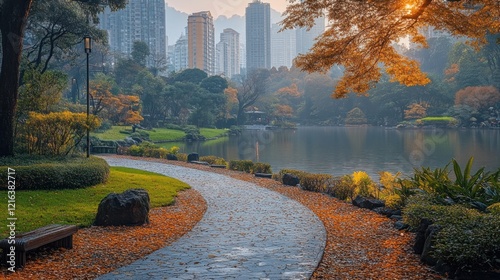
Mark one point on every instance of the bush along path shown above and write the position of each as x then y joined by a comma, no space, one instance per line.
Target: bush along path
247,232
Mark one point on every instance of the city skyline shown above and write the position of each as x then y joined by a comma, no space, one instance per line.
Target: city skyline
227,8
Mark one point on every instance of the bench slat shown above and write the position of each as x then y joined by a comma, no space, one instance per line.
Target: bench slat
56,235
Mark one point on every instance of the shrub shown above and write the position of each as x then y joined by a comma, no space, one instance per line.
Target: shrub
342,188
494,208
241,165
57,133
260,167
315,182
213,160
59,173
389,182
173,126
394,201
174,150
470,243
182,157
135,150
364,184
193,133
298,173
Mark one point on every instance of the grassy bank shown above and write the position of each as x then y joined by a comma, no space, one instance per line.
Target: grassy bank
158,134
79,206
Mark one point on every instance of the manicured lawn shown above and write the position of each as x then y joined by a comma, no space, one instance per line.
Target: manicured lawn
164,134
113,133
158,134
212,132
35,209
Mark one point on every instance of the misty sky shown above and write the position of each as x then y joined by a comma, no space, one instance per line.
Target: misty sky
221,7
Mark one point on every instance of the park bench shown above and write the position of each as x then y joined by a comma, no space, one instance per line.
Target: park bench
52,235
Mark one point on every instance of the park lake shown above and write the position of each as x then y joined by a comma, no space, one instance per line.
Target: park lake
343,150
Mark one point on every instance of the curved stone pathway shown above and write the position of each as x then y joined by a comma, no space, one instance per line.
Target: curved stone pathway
247,232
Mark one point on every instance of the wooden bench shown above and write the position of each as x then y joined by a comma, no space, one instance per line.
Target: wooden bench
52,235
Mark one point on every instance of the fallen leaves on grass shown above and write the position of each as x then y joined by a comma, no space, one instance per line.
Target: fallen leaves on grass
99,250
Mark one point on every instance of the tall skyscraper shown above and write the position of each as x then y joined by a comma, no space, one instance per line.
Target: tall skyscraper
258,35
282,46
228,52
180,55
201,42
140,20
305,38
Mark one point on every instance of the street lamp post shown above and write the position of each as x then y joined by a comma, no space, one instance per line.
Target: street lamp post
87,41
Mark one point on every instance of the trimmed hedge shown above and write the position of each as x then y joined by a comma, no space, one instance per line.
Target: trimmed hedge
241,165
261,167
316,182
213,160
65,173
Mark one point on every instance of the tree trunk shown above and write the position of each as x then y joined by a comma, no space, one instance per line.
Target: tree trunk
14,14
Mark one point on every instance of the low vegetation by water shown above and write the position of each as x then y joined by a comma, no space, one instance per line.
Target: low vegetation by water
156,135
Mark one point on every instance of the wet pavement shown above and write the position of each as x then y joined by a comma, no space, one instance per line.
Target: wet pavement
247,232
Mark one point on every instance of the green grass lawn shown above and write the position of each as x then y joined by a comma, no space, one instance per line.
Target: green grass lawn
35,209
158,134
212,132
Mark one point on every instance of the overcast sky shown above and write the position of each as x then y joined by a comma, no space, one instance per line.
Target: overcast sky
221,7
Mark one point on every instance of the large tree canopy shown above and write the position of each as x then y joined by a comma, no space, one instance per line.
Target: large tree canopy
362,34
13,19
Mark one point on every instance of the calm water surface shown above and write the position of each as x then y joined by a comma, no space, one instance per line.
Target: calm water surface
343,150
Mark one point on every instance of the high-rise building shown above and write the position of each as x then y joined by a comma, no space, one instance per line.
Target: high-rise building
305,38
180,55
201,42
140,20
282,47
228,53
258,35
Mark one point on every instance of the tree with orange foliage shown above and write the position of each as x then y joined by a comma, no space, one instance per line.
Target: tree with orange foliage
117,108
362,34
479,98
416,111
292,91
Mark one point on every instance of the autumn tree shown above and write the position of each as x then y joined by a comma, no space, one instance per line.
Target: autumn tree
362,34
13,19
355,117
479,98
416,111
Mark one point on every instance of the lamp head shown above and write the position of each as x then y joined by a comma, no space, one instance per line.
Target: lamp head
87,42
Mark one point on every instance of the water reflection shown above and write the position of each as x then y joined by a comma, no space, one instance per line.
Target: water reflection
343,150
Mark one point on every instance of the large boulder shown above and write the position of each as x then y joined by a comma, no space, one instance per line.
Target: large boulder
290,179
368,203
130,208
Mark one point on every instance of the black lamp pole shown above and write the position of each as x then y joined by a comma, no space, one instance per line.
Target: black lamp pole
87,40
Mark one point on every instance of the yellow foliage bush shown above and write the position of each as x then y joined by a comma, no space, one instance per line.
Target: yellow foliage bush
57,133
364,184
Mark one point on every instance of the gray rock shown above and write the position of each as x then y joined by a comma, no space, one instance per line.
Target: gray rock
430,234
193,157
384,211
129,208
418,247
171,157
396,217
368,203
290,179
399,225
